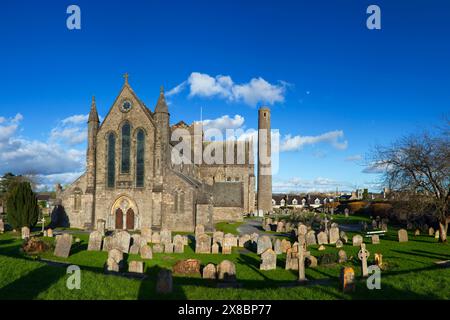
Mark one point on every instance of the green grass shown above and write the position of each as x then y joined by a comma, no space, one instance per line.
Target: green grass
412,274
228,227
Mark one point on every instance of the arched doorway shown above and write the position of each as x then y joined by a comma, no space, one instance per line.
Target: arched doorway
119,219
130,219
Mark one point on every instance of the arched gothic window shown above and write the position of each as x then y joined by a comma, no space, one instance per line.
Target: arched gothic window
140,157
77,200
125,164
111,163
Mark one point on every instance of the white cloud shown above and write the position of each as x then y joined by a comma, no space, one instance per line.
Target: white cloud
76,119
45,159
295,143
356,157
319,184
71,130
224,122
257,90
375,168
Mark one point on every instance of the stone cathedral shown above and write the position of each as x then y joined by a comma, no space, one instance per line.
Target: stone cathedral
131,181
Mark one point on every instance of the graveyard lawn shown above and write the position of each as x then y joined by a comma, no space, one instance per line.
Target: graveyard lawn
411,274
228,227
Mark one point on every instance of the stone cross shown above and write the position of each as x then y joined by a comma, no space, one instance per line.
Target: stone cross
43,224
125,76
326,224
363,254
301,265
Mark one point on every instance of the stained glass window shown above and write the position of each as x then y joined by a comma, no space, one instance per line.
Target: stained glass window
140,157
125,165
111,160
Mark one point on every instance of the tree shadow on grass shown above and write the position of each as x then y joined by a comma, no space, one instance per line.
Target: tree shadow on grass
425,254
30,285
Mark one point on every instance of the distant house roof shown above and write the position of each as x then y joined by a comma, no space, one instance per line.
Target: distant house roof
44,196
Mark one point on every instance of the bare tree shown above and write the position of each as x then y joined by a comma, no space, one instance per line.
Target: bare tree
417,169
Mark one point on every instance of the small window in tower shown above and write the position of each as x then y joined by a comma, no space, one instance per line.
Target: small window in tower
265,114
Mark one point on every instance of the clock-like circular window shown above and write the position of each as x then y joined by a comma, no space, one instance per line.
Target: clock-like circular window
126,106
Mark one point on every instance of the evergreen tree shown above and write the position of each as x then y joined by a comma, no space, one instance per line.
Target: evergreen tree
22,206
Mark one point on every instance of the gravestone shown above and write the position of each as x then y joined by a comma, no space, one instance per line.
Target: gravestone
166,236
268,260
101,226
285,244
111,265
436,234
25,232
402,235
164,281
215,248
346,212
347,278
322,238
134,249
291,260
203,244
168,248
334,234
146,252
178,238
108,243
302,230
138,239
267,227
187,267
357,240
226,271
384,226
116,255
209,272
122,241
229,240
310,261
363,254
218,237
301,266
431,231
136,267
321,248
178,242
280,227
2,226
146,234
50,232
244,241
311,238
277,246
95,241
63,245
156,238
342,256
339,243
264,243
199,229
375,239
158,248
226,249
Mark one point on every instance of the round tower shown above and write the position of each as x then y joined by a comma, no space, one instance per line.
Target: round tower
264,162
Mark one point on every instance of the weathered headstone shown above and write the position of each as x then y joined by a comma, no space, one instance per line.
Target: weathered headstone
146,252
63,245
285,244
218,237
156,238
357,240
25,232
138,239
436,234
203,244
215,248
311,238
334,234
280,227
101,226
209,272
264,243
108,243
348,279
321,248
302,229
178,242
199,229
310,261
111,265
363,254
322,238
226,271
342,256
268,260
50,232
116,255
187,267
431,231
95,241
168,248
402,235
339,243
136,267
166,236
122,241
226,249
134,249
244,241
375,239
277,247
164,281
229,240
2,226
158,248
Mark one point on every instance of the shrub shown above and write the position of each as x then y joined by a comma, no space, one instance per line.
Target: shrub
22,206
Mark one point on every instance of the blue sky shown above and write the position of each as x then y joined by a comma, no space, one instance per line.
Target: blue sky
335,88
